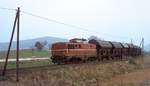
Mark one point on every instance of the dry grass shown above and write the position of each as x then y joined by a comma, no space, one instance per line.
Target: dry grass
144,83
84,75
147,60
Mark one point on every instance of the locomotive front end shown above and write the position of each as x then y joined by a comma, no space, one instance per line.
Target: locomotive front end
58,51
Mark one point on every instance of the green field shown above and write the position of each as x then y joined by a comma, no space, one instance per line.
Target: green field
26,54
12,65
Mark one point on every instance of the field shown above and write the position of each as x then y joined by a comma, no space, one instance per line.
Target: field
119,73
26,54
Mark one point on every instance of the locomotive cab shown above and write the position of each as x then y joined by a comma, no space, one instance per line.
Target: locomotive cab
59,49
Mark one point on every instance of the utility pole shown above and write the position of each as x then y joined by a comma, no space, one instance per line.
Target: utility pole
142,50
17,59
142,45
17,20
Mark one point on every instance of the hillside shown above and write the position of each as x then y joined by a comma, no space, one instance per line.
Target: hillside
27,44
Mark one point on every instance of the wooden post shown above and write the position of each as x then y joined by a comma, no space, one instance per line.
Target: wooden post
10,43
143,44
17,59
17,20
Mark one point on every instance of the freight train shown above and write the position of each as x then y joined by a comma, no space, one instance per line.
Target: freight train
77,50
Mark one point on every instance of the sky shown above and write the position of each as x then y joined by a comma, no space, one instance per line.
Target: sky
116,20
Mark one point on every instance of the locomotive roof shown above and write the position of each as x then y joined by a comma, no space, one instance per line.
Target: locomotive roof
103,44
71,43
116,44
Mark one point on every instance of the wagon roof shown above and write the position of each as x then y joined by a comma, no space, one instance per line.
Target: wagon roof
135,46
116,44
130,45
125,45
103,44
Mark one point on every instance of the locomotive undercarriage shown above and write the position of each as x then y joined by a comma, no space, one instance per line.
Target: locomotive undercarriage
66,60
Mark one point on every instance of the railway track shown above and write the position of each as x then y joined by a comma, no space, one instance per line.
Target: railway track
11,72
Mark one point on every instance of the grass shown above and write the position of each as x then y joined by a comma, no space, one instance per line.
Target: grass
83,75
26,54
12,65
144,83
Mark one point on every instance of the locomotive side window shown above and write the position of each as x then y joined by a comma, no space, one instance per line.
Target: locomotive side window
79,46
91,46
76,46
70,46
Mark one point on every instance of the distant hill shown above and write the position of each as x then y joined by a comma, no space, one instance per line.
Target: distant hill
27,44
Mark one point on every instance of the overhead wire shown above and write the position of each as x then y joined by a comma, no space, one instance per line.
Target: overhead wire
69,25
55,21
58,22
2,8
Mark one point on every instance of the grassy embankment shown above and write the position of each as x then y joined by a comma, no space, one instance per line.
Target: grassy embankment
83,75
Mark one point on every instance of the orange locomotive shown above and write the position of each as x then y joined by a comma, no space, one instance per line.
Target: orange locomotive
75,50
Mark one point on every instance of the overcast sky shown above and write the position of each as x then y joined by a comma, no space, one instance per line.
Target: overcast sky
117,20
